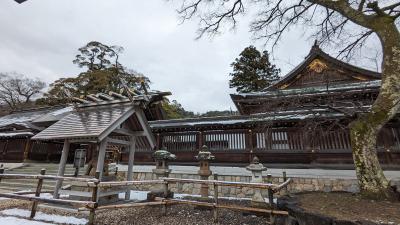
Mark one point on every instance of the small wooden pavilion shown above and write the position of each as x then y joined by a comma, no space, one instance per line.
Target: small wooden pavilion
102,121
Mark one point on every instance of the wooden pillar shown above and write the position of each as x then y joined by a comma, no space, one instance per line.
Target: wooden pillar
129,176
37,193
100,162
95,198
199,140
28,145
158,144
61,167
249,144
101,156
5,149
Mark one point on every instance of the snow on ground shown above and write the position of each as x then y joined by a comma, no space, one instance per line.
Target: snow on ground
181,196
142,195
17,221
42,217
135,195
43,195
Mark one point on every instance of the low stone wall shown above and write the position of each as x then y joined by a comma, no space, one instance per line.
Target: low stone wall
298,184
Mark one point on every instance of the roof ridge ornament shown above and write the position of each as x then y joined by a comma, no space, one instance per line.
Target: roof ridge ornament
315,46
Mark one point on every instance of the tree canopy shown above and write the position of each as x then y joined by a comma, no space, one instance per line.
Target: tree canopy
253,71
103,73
98,56
175,110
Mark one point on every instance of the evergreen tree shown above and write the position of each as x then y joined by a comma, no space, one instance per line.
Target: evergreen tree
175,110
103,74
253,71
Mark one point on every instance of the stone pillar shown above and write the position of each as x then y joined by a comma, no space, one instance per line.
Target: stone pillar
162,158
204,157
256,169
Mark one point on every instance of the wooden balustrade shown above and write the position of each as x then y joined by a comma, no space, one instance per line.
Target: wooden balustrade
275,140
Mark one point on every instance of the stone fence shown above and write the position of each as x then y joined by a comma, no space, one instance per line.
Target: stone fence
299,184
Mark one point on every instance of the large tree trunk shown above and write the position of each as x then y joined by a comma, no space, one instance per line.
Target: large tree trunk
365,129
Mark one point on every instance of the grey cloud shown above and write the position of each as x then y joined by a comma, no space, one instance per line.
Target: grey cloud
40,38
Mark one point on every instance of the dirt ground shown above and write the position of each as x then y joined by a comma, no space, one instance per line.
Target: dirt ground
349,206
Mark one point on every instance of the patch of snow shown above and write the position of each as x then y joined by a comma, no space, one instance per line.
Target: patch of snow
22,117
142,195
180,195
45,217
62,111
43,195
17,221
316,89
135,195
16,134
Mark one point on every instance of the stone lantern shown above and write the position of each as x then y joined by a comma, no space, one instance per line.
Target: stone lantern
162,158
256,169
204,157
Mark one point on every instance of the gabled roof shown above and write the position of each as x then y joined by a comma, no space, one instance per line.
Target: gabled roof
100,115
90,122
305,81
315,53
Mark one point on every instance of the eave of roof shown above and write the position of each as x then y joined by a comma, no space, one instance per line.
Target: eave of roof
283,116
22,134
363,86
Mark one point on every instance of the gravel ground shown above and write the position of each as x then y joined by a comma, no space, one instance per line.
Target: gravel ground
176,215
152,215
6,204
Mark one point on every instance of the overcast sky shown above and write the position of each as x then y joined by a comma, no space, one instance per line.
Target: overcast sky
40,38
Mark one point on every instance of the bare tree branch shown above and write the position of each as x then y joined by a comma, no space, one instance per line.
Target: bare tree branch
16,89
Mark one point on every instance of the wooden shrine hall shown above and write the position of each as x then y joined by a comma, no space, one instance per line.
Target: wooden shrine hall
301,119
17,128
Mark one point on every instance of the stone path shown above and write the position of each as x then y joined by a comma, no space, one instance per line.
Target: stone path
305,173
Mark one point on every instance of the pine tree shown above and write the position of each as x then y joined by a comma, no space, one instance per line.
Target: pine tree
103,73
252,71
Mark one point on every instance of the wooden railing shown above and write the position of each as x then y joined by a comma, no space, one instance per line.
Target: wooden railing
37,198
96,186
272,188
271,140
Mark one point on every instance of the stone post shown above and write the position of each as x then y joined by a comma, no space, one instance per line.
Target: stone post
204,157
256,169
162,158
